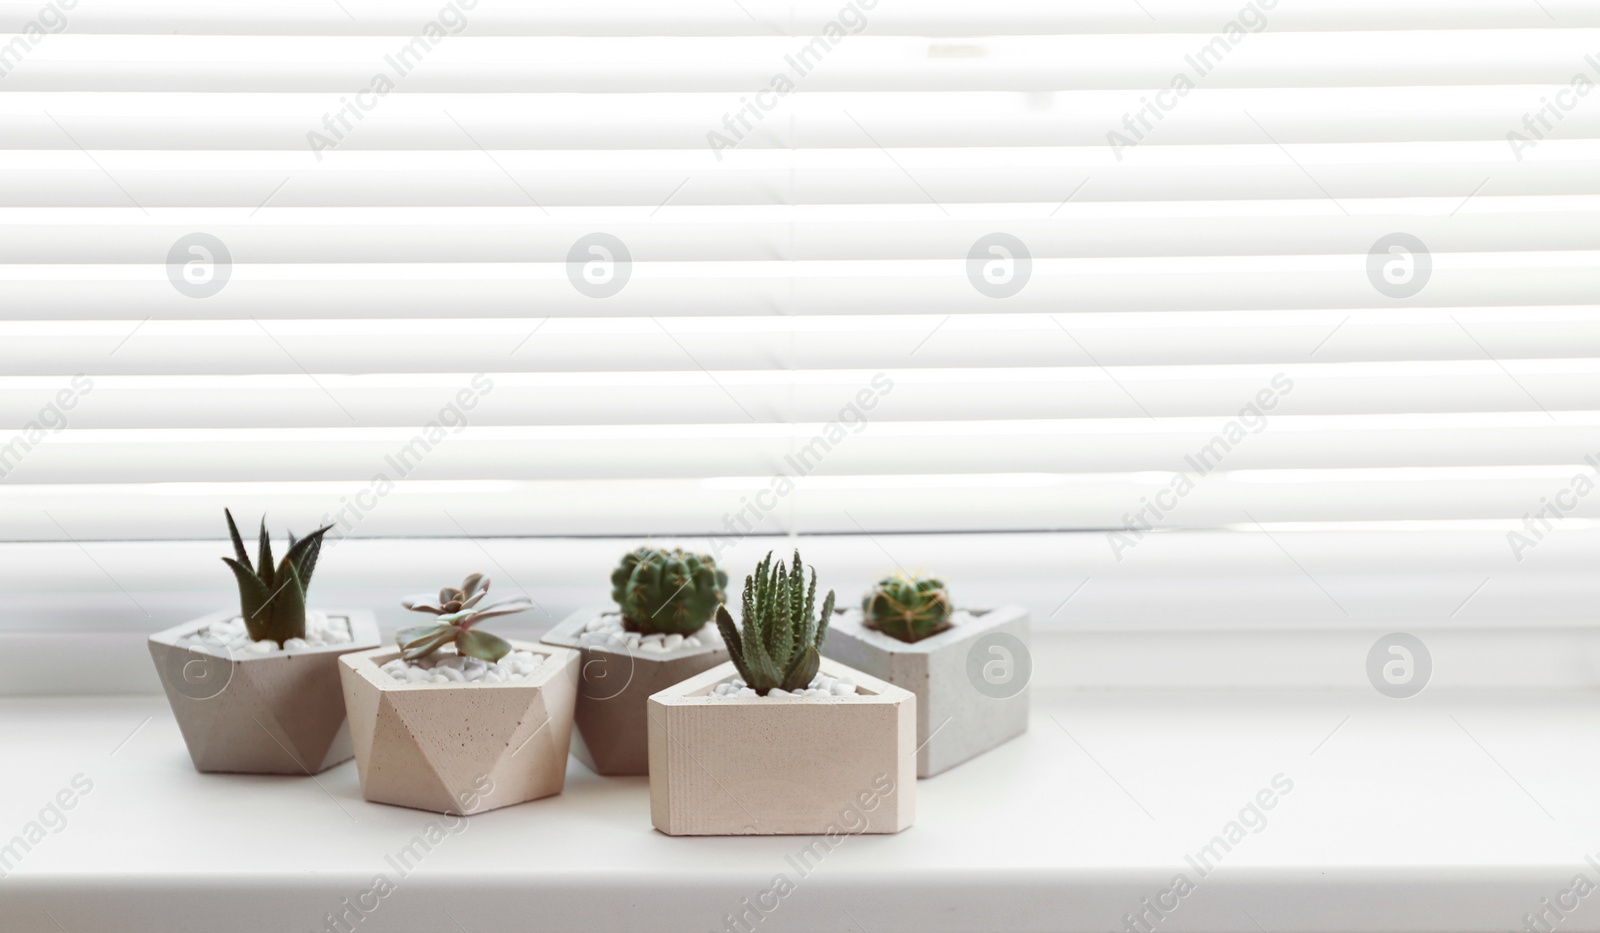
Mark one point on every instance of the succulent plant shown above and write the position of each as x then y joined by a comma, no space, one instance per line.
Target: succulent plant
908,607
272,598
458,609
781,643
667,591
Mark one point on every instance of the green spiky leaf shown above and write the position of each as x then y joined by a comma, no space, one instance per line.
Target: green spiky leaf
802,669
730,637
253,597
288,608
272,597
779,644
304,553
264,565
238,543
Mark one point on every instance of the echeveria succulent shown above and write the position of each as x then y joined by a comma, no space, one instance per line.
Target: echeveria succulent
667,591
458,609
909,608
272,597
781,642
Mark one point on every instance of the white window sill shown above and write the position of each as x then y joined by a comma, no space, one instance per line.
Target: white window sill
1401,817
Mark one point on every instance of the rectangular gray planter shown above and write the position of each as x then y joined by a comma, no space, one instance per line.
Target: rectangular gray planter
280,713
614,684
729,766
971,680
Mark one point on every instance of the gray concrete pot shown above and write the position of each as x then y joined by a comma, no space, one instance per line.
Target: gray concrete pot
460,747
259,714
971,680
836,765
613,685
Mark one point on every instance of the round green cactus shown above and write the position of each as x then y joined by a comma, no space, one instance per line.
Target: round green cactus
667,591
909,608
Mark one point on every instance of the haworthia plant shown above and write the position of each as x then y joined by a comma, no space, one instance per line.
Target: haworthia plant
667,591
272,597
907,606
458,609
780,645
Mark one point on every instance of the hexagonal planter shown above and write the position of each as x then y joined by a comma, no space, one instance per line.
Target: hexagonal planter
970,680
735,766
460,747
614,687
259,714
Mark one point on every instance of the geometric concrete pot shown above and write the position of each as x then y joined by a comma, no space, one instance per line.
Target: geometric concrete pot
615,685
971,680
759,765
456,747
259,714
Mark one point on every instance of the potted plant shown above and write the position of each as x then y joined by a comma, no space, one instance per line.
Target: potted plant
454,719
968,667
257,690
655,637
779,739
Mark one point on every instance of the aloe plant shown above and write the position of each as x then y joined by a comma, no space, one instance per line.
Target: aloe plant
667,592
907,607
458,609
780,645
272,597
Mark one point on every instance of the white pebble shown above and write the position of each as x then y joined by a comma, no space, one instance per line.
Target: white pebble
653,647
693,641
843,689
745,692
672,641
296,644
449,667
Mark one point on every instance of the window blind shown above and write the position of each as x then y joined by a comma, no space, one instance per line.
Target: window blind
810,268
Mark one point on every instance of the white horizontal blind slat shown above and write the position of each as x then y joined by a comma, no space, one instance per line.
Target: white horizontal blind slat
808,17
1175,276
261,121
